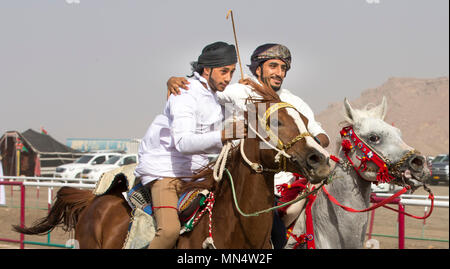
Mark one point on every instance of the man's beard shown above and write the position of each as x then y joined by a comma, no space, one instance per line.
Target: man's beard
212,83
267,82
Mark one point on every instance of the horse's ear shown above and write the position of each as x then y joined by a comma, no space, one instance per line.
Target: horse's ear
382,108
349,113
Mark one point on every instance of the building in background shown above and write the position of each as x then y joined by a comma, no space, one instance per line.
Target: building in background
129,146
31,153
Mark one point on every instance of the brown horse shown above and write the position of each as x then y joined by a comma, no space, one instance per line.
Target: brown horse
102,221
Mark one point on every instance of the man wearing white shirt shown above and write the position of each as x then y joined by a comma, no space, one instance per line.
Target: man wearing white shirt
269,65
178,141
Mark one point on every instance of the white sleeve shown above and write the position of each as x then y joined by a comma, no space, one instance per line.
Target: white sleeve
235,94
182,112
314,127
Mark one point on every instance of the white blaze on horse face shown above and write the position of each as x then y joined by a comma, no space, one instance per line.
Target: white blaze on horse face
310,142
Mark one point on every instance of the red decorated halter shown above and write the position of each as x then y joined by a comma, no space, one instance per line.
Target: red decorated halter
387,172
369,154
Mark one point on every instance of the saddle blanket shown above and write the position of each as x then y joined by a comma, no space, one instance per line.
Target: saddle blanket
109,179
143,225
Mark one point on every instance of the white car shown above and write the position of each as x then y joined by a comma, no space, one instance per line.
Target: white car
385,187
73,170
96,171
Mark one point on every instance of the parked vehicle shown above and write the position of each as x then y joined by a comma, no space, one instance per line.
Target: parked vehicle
96,171
385,188
429,160
439,170
73,170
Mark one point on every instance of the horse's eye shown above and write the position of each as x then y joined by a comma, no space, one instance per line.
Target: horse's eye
275,122
374,138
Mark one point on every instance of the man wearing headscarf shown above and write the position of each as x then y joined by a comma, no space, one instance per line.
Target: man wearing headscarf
269,64
178,141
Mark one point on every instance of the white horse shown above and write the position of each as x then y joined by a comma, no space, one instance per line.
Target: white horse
337,228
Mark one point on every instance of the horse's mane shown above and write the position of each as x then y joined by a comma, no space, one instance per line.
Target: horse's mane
208,183
266,94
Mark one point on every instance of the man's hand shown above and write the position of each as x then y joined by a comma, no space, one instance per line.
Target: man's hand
245,81
174,83
234,130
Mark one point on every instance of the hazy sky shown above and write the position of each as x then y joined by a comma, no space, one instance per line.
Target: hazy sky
98,68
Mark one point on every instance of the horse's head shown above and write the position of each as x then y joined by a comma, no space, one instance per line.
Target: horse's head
293,148
404,164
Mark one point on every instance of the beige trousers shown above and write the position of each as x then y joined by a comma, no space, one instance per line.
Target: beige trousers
164,194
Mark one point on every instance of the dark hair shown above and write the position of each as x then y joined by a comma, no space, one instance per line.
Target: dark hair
195,68
214,55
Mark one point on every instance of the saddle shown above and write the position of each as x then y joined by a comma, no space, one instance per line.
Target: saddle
142,230
142,227
121,178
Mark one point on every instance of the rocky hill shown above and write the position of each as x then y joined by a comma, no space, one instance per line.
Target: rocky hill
418,107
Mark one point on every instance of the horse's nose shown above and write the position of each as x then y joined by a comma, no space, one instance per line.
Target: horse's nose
315,158
417,163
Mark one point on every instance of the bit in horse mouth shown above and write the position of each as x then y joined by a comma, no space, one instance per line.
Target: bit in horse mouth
302,168
411,179
412,175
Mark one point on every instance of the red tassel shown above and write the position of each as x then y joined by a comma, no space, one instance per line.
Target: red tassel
289,192
282,188
346,145
363,165
383,175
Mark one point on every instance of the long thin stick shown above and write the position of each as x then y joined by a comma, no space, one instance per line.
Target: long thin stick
235,40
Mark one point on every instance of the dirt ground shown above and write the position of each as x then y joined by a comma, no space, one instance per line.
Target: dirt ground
434,227
385,222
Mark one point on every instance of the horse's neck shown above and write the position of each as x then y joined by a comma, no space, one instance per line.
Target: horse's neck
254,192
333,226
349,186
252,189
